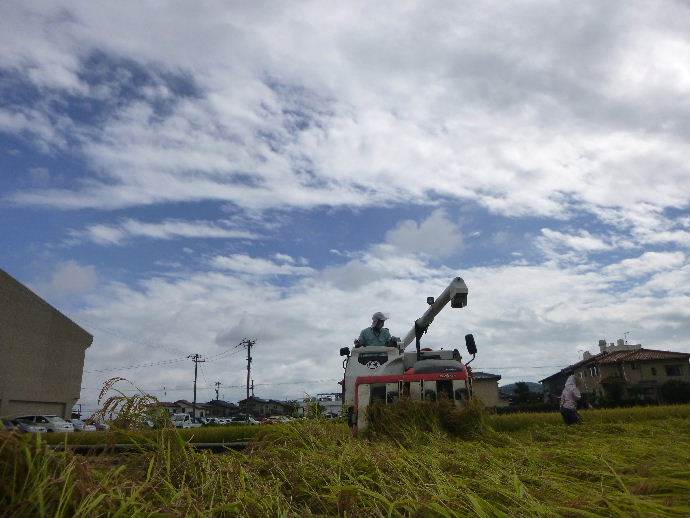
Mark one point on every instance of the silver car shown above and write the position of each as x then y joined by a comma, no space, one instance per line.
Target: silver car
26,427
52,423
81,426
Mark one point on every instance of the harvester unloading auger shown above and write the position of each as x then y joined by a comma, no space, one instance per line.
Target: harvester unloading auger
386,374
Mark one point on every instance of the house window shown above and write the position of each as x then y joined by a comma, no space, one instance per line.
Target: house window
673,370
633,366
653,371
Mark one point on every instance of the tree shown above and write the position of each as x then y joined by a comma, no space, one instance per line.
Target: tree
522,393
675,391
613,390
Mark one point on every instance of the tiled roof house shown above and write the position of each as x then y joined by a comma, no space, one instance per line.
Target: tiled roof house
623,365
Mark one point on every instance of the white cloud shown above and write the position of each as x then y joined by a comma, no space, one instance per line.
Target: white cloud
69,279
581,242
168,229
284,258
436,236
256,266
322,106
645,264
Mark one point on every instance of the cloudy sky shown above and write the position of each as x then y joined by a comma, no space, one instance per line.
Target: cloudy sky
177,176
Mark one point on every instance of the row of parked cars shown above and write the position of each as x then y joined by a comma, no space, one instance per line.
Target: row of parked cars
186,421
49,423
54,423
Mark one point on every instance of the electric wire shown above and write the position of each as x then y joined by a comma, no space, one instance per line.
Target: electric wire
138,366
158,363
137,341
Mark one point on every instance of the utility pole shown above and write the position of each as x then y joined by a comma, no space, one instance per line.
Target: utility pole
252,388
248,343
196,359
217,384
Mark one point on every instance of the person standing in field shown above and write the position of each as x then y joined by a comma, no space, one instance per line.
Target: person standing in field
569,398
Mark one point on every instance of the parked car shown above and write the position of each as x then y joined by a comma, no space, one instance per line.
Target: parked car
281,418
52,423
101,427
26,427
181,420
242,419
81,426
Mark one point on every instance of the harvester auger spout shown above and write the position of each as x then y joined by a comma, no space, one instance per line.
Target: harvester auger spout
455,293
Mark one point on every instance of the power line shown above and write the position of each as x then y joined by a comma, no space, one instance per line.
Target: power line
138,366
137,341
203,375
212,387
522,367
158,363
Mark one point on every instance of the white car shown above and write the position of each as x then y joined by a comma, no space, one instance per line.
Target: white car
27,427
81,426
52,423
241,419
181,421
102,427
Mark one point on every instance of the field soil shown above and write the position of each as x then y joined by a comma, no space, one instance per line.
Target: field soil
625,462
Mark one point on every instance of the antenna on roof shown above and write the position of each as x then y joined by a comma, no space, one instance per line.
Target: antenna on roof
625,336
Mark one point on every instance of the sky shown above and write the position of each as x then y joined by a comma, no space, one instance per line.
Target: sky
178,176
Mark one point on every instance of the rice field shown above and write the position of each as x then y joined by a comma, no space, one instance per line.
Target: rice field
621,462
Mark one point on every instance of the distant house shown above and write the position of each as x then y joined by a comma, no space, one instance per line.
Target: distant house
182,406
259,407
485,388
41,354
623,369
331,403
219,408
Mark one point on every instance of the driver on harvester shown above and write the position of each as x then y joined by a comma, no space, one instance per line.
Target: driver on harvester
376,334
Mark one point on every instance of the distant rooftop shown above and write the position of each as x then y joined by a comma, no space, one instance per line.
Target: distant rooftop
485,375
636,354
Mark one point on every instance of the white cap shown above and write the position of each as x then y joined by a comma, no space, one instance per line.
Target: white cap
379,316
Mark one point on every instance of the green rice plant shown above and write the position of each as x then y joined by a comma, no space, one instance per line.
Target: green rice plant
233,433
128,411
407,420
632,463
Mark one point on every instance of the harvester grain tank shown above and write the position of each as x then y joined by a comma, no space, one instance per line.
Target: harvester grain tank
386,374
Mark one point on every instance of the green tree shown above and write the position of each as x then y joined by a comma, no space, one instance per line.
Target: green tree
675,391
522,393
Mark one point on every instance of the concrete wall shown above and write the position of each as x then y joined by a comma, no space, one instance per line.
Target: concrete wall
41,354
486,390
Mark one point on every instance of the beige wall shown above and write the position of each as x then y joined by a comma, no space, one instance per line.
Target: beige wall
41,354
487,391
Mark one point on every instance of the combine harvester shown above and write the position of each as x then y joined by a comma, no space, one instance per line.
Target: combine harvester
386,374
